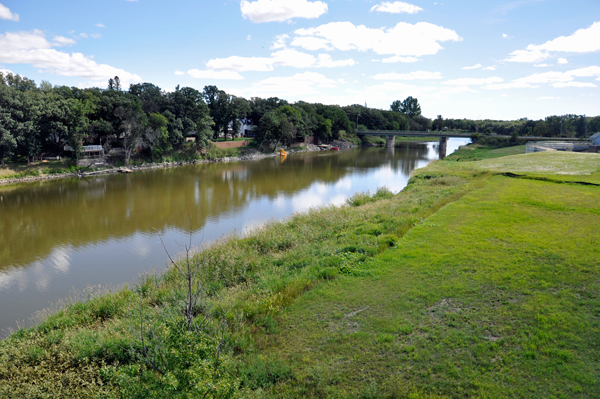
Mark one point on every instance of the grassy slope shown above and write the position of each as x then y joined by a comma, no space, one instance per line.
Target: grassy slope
477,153
493,296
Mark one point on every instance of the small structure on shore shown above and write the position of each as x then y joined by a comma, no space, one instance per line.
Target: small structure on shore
540,146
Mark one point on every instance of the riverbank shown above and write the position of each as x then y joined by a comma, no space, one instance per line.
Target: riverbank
248,155
390,295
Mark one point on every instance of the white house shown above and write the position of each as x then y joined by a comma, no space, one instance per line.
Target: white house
595,139
246,126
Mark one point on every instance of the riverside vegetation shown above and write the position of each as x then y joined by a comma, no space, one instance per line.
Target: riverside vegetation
479,279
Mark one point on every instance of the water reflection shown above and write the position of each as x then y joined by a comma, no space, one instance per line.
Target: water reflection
59,235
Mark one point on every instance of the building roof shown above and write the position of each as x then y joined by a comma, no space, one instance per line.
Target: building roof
595,136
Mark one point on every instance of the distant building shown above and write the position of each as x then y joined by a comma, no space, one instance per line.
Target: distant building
595,139
245,130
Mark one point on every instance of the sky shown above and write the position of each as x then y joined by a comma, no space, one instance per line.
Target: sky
493,59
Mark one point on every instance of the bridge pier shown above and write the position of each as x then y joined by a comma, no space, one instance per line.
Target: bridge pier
443,147
390,141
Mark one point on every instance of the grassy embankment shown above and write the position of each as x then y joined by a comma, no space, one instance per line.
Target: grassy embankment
466,284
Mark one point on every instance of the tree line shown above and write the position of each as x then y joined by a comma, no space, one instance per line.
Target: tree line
569,125
40,120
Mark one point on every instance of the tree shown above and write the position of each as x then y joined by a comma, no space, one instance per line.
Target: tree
133,124
237,108
410,106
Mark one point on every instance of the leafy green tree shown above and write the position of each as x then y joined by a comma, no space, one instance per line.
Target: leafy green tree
133,124
8,143
410,106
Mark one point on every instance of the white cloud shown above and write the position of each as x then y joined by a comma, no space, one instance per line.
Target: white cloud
241,64
285,57
490,68
562,61
292,58
397,7
60,41
33,48
456,90
424,38
582,41
300,84
548,98
249,38
417,75
473,67
100,25
397,58
311,43
96,35
281,10
504,36
556,79
280,42
542,65
325,61
224,75
573,84
5,13
473,81
179,73
511,85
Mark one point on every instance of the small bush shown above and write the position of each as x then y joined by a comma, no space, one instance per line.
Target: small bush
262,373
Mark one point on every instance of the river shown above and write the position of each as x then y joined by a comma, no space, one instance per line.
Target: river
59,237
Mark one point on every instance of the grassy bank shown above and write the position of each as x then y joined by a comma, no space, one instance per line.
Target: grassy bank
466,284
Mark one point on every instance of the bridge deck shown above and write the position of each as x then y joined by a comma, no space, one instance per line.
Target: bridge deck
451,134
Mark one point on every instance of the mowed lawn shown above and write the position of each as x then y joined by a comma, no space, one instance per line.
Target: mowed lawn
496,295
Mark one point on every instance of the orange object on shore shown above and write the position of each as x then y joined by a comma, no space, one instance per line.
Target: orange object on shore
282,153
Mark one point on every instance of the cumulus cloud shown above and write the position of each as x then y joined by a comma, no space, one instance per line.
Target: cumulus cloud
416,75
217,75
396,7
300,84
179,73
473,67
280,42
556,79
281,10
33,48
542,65
473,81
424,38
5,13
562,61
282,58
398,58
573,84
456,90
100,25
582,41
311,43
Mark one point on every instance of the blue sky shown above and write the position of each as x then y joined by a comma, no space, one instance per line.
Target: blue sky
474,59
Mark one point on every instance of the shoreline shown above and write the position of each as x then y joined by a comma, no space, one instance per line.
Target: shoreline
251,155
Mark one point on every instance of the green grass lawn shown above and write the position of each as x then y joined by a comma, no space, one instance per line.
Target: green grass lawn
474,152
16,170
496,295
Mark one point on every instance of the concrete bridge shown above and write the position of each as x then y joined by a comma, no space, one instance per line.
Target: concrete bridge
390,136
